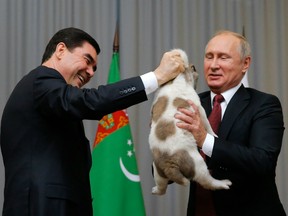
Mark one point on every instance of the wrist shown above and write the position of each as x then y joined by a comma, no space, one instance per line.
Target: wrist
160,78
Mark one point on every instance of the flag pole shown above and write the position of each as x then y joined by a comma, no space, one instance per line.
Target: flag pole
116,39
115,181
243,31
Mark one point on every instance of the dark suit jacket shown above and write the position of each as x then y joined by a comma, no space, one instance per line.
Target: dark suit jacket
246,152
46,154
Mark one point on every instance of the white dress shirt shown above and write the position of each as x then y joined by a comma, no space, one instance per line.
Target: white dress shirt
208,144
150,82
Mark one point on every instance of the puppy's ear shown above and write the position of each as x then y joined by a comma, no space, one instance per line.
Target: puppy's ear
195,75
193,67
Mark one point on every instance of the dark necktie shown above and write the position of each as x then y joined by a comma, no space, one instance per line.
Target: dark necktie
204,203
215,116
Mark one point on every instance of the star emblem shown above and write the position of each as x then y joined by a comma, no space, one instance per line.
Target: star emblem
130,151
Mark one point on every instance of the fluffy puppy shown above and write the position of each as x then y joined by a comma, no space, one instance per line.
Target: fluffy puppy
175,153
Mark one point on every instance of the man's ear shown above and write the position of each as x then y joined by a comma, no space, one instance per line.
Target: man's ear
247,62
60,50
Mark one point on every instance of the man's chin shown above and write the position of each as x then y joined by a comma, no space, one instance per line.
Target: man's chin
214,88
76,84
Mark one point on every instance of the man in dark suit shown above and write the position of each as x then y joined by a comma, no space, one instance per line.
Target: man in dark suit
46,154
249,137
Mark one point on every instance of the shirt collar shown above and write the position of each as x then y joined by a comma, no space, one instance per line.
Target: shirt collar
227,94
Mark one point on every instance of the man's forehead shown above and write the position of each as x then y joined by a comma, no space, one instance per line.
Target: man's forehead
222,43
90,49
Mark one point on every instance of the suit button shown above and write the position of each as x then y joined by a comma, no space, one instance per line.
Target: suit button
223,168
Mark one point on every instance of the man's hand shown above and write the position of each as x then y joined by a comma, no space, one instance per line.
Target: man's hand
170,66
192,122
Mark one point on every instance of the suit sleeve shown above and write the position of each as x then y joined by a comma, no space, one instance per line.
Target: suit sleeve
254,142
53,96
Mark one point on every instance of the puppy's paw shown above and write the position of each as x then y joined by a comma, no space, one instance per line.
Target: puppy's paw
226,183
218,184
157,191
184,182
222,184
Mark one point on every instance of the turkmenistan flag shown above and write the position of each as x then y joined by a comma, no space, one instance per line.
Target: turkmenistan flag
115,182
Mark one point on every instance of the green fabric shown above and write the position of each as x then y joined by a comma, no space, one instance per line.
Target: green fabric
115,183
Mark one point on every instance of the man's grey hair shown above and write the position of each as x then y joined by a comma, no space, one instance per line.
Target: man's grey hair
244,48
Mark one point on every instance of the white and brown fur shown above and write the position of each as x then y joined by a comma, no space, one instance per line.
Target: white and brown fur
175,153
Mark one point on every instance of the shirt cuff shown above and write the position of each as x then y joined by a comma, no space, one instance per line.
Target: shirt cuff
150,82
208,145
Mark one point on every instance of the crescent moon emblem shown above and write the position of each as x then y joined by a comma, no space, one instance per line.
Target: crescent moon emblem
130,176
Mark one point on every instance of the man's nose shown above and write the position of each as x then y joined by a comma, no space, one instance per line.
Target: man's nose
90,71
214,63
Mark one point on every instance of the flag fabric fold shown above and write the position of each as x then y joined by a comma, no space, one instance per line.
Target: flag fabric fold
114,177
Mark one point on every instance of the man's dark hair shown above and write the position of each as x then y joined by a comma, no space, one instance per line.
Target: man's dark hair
72,37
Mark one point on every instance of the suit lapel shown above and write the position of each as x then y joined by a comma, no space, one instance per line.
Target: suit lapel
206,102
238,103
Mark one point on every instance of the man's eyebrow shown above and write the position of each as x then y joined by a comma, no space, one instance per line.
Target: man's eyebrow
91,60
89,57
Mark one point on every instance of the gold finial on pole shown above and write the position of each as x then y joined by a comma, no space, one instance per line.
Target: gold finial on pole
116,40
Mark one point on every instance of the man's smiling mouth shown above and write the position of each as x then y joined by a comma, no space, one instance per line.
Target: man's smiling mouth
81,78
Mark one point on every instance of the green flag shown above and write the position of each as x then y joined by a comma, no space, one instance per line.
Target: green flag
115,182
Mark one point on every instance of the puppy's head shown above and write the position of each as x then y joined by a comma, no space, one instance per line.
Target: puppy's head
183,56
190,74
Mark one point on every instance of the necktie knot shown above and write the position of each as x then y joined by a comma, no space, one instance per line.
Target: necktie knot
218,98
